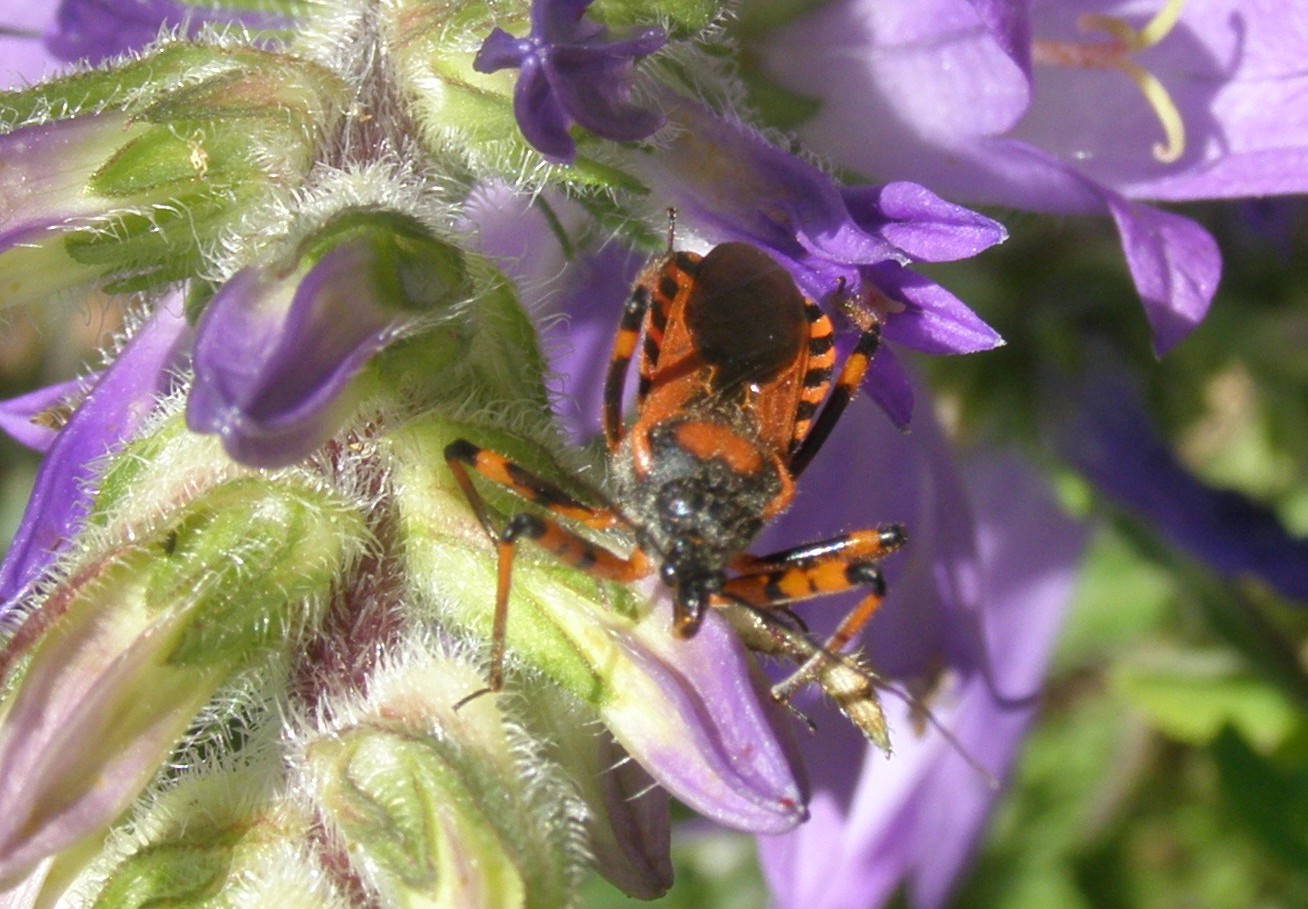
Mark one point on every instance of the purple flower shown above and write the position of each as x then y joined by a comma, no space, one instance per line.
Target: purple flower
1088,116
984,603
95,30
272,357
1108,437
278,347
571,71
110,414
728,182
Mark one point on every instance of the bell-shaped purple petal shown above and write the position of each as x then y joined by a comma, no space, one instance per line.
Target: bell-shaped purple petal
541,116
1174,263
1108,436
933,321
122,398
914,819
272,357
277,348
95,30
920,223
32,419
571,71
731,764
946,93
585,89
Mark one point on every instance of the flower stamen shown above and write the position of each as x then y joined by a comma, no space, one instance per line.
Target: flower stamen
1115,53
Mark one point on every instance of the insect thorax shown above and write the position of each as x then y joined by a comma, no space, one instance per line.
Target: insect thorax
696,491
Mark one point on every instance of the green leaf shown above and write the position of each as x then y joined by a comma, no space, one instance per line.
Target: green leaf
1193,696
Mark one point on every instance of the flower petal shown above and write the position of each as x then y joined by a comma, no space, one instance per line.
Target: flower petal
596,90
111,413
1175,264
921,223
95,30
917,816
20,416
500,51
541,116
935,321
727,764
1234,72
267,373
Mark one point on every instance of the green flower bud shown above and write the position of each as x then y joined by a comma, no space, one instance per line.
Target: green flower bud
443,807
227,836
171,595
125,176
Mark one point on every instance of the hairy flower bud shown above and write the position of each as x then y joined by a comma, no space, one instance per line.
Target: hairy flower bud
122,177
178,590
443,806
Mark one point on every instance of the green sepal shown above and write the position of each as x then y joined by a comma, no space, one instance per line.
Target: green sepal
412,269
444,805
260,558
684,18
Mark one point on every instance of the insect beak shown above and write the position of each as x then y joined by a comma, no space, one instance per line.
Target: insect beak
688,613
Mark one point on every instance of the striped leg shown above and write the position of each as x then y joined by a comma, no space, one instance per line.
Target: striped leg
851,374
461,455
656,290
811,570
624,348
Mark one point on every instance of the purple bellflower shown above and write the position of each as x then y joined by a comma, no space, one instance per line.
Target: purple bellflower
571,71
1110,439
990,619
311,597
1080,108
852,241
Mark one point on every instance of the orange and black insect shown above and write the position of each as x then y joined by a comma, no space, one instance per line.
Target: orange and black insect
737,392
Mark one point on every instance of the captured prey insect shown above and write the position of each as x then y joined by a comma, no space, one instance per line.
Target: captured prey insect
737,392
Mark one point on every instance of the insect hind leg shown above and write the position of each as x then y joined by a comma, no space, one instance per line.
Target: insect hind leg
462,456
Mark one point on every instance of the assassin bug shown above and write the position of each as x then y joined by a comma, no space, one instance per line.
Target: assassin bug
737,393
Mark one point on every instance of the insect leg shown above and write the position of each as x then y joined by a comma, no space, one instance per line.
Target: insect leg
624,348
802,572
851,374
461,455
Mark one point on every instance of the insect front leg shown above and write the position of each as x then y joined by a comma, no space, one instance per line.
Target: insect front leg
803,572
462,455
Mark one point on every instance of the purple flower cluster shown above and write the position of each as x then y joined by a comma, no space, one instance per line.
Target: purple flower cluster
990,101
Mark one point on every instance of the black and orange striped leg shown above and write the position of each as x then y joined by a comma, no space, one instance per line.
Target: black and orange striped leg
461,455
814,569
852,372
537,490
862,545
624,348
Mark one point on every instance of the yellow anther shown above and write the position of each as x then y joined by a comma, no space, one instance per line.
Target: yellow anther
1115,54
